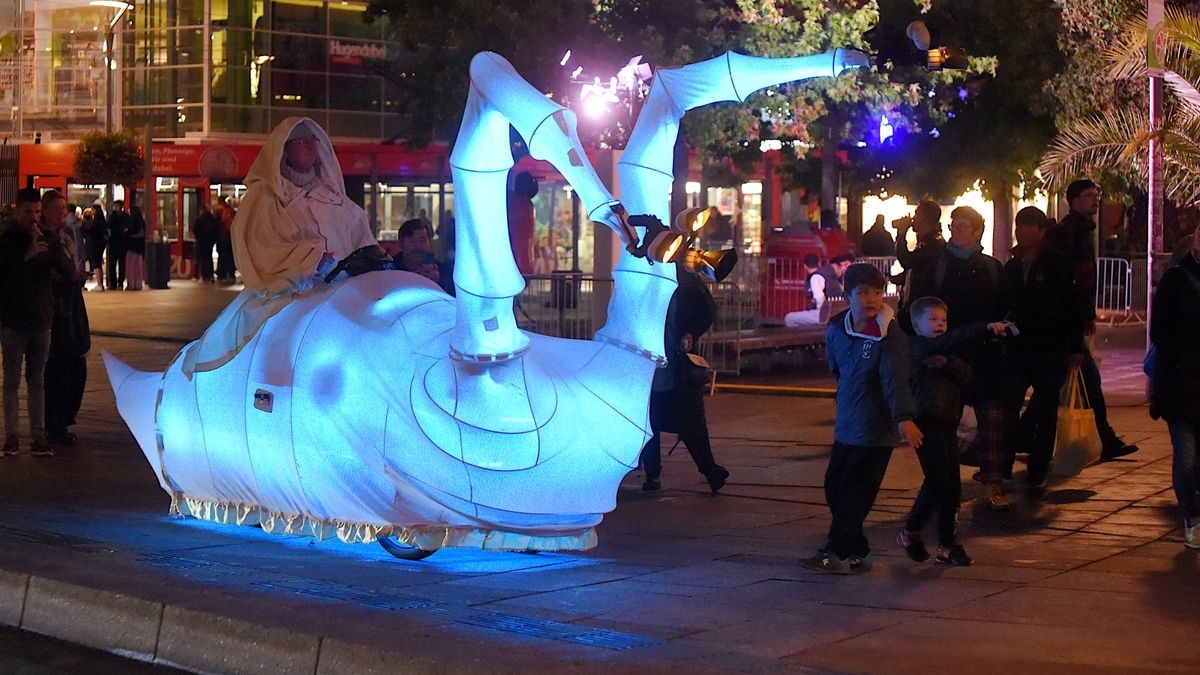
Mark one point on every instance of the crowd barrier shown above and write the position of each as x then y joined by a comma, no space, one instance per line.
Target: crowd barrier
760,292
561,304
1114,291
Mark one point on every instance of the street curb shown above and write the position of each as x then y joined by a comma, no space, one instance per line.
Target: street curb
189,639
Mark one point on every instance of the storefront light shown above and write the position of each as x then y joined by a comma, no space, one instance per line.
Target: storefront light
692,187
752,188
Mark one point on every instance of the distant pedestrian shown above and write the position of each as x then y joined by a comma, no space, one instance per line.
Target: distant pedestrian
135,249
445,234
75,225
205,229
70,334
95,233
1175,385
821,285
868,356
926,222
877,242
416,255
118,225
26,314
521,220
226,268
939,378
677,393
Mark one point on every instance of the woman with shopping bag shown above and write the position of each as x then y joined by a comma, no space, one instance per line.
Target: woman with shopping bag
1175,386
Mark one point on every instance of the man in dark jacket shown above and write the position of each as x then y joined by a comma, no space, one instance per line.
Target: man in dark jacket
877,242
1041,294
926,221
677,394
26,312
1074,237
70,336
205,228
118,228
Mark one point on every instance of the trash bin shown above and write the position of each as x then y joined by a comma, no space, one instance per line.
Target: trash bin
158,264
564,288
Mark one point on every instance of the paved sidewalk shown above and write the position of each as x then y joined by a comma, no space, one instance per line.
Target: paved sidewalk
1092,577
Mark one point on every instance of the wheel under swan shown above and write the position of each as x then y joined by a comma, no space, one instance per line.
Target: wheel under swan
403,551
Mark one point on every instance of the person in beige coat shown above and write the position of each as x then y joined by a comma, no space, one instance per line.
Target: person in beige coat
296,222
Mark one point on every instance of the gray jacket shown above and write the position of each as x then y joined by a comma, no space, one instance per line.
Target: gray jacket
872,373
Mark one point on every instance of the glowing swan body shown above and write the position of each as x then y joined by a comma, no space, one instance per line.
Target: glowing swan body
379,406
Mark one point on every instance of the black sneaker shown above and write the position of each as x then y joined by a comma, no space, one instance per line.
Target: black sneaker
11,447
40,449
827,562
954,554
716,478
65,438
913,545
1117,449
651,485
863,563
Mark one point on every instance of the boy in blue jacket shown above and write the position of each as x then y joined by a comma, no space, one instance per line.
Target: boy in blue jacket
868,356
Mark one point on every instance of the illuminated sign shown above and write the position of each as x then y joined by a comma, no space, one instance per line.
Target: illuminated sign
353,53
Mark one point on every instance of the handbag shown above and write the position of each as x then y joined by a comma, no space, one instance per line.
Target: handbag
1077,442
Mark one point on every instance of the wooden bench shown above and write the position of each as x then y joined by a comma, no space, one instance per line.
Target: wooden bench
721,347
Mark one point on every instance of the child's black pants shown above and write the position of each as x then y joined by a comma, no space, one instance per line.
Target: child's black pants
851,484
942,489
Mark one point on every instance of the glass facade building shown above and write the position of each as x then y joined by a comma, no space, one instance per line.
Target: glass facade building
193,68
199,67
52,68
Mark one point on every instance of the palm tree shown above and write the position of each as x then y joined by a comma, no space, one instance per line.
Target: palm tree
1117,140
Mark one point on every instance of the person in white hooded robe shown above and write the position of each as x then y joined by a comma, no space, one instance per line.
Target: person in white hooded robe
294,225
296,222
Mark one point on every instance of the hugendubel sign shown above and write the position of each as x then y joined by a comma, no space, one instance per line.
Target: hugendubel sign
353,53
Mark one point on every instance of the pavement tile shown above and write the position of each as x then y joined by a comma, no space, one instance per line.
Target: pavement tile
934,643
1084,608
777,634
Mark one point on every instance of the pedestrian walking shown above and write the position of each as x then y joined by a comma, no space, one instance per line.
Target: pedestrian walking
135,249
677,393
1175,383
868,356
1073,237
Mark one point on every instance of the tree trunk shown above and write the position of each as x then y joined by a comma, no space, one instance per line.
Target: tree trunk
1002,222
830,170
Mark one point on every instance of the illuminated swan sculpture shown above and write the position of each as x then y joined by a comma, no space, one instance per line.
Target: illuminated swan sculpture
378,407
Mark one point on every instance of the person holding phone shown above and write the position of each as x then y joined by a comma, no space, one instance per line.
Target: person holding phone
26,314
416,255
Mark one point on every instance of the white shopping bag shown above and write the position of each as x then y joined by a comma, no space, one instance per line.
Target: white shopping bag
1077,442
